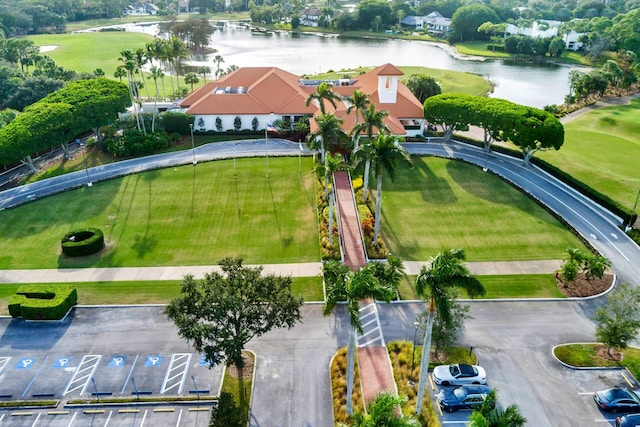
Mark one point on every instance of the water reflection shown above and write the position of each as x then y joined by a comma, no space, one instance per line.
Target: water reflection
536,85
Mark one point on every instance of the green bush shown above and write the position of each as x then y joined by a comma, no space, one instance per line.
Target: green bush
176,122
42,302
82,242
136,143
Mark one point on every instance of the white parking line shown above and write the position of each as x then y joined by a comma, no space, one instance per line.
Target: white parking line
179,417
133,365
3,362
176,375
83,374
73,417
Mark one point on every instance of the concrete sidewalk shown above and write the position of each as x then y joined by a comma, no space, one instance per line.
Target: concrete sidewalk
308,269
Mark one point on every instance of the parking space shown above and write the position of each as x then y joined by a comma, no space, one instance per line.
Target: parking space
73,376
192,415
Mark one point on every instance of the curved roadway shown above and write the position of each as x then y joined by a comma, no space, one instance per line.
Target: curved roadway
512,338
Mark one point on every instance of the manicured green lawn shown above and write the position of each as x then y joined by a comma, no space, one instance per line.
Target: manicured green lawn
499,286
148,292
85,52
584,355
479,48
175,216
602,149
92,23
450,81
443,204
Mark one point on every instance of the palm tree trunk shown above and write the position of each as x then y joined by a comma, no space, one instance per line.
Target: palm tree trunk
365,184
351,363
331,217
378,209
426,353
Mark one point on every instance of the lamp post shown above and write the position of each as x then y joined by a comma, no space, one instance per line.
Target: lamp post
193,146
86,168
635,205
413,352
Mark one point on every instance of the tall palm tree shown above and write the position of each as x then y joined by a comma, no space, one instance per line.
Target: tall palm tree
323,93
120,73
204,69
386,153
343,285
141,59
446,270
381,412
155,74
129,65
218,59
329,132
372,119
177,51
488,415
359,102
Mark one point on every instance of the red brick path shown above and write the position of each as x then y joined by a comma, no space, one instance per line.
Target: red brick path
354,254
376,374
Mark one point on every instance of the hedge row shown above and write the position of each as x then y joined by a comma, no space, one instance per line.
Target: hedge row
593,194
42,302
83,242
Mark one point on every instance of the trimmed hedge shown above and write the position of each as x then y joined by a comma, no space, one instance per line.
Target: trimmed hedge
42,302
82,242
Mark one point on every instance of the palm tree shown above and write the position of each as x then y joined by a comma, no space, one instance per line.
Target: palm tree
446,270
176,52
323,93
329,132
120,73
343,285
155,74
218,59
359,102
372,118
488,415
204,70
141,59
386,152
191,79
382,412
595,266
157,49
129,65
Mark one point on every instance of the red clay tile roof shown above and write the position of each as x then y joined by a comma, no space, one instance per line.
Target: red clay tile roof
272,90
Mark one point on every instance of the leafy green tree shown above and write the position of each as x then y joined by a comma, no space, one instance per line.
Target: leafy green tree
383,412
370,11
226,413
220,314
451,111
536,130
446,270
490,415
467,19
618,322
495,31
345,286
445,332
423,86
386,154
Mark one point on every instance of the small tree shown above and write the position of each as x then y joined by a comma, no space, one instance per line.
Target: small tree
191,79
226,413
223,312
446,331
617,322
423,86
219,124
254,124
237,123
489,415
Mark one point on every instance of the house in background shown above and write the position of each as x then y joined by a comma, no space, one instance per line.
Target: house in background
310,16
267,94
546,28
434,23
141,8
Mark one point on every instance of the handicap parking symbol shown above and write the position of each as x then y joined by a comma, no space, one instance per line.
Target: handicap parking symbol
25,363
153,360
203,360
117,361
62,362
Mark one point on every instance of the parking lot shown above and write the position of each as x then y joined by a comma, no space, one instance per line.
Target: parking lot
70,377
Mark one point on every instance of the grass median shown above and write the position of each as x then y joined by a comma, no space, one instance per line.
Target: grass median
176,216
602,149
443,203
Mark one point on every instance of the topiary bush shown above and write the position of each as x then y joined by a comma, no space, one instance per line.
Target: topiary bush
82,242
42,302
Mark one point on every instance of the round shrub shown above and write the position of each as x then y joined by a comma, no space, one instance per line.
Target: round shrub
82,242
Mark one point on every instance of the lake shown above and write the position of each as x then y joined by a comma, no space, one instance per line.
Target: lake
534,85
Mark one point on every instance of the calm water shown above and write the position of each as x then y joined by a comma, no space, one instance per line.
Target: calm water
536,86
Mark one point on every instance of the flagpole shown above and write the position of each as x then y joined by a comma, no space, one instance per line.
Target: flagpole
266,144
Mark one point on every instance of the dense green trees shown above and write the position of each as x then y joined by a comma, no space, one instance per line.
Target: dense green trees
423,86
467,19
617,322
530,129
79,107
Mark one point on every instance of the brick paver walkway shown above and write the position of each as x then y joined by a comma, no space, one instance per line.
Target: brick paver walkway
353,249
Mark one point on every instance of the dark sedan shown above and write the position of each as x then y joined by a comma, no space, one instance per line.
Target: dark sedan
628,421
617,400
463,397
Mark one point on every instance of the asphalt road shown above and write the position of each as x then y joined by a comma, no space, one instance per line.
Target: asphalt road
514,339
